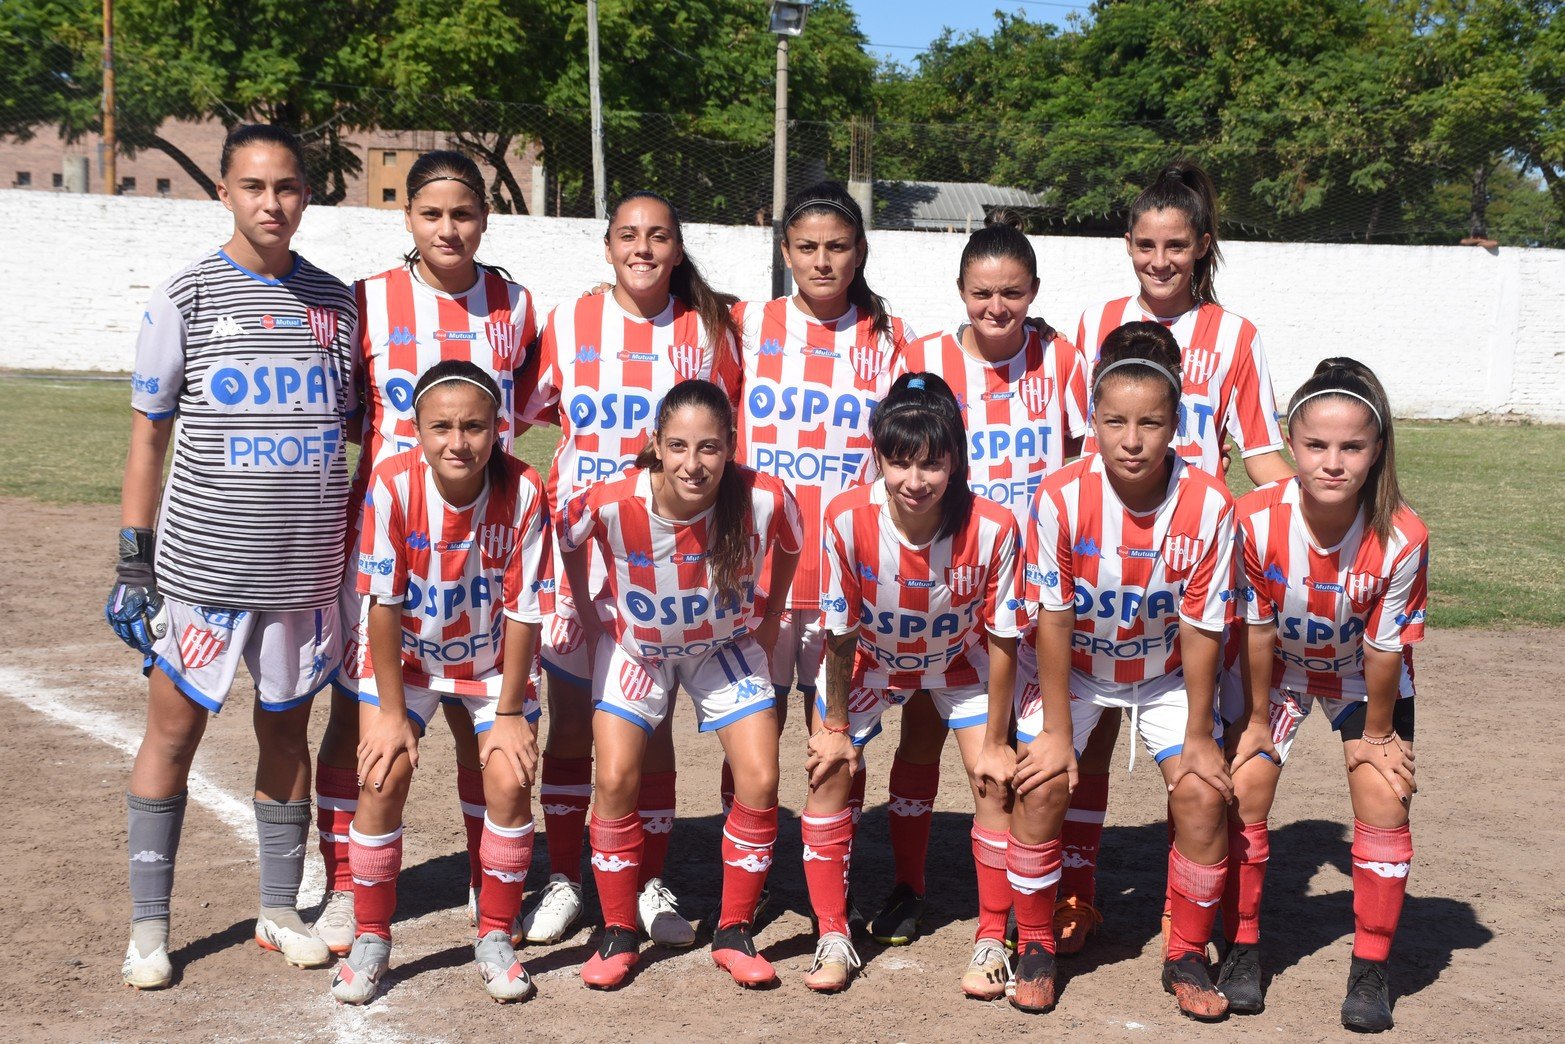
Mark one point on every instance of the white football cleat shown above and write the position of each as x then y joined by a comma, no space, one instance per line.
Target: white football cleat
302,949
335,925
359,976
558,909
152,972
657,913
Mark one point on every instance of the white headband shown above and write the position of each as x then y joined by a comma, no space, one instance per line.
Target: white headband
1339,391
447,380
1111,367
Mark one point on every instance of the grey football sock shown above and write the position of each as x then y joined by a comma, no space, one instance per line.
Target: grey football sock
283,828
154,826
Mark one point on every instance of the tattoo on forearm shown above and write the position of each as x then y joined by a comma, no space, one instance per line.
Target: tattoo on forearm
839,674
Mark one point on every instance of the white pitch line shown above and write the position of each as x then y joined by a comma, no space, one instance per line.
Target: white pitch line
61,703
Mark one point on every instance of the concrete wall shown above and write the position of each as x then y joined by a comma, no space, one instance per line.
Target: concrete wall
1453,331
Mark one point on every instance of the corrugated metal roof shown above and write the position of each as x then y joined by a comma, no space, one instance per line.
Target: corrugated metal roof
944,204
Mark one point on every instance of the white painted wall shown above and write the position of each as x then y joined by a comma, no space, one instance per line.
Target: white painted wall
1453,331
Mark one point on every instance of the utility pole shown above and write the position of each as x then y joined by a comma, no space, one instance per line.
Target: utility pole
599,188
110,145
780,169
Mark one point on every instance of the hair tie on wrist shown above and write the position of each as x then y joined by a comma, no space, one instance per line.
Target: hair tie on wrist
510,714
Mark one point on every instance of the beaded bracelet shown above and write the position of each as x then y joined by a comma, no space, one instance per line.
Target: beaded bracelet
1380,741
826,727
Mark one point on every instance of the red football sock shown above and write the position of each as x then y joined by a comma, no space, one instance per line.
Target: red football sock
1195,891
506,852
564,791
1081,837
470,792
828,848
911,811
856,795
655,806
616,853
994,888
748,838
1034,874
1249,848
376,860
1381,859
725,791
336,799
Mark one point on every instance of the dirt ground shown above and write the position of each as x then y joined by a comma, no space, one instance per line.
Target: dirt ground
1474,958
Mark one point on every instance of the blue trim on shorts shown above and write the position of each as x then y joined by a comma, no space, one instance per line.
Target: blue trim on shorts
374,701
558,672
1166,753
606,708
738,715
190,692
297,700
1341,719
1023,737
859,742
342,690
968,722
531,719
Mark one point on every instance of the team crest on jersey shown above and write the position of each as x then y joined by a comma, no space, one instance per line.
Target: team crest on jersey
1036,393
1363,588
495,542
635,684
686,359
503,337
1199,365
198,647
323,324
866,361
964,581
1182,552
861,700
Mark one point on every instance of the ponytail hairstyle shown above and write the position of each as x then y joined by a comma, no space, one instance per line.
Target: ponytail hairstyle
1139,351
1183,186
1348,379
687,283
460,371
447,165
247,134
833,199
1000,238
732,521
919,419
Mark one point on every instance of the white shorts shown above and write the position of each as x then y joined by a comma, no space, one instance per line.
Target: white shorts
801,645
353,613
1159,710
958,708
1027,669
1289,709
1230,694
291,654
422,702
725,684
562,645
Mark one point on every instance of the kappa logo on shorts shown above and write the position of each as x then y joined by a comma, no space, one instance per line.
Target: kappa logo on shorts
1181,552
504,337
866,362
686,359
323,324
635,684
1363,588
1036,394
198,647
1199,365
964,581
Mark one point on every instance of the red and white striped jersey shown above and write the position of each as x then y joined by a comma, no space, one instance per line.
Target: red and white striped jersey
809,388
409,326
1329,602
1228,389
919,610
1131,577
1018,413
664,606
599,374
458,571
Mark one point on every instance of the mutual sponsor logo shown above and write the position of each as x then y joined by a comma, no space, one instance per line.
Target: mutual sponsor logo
1180,552
964,581
587,353
456,335
1363,588
867,362
145,385
504,338
226,326
1036,395
283,322
1086,547
915,583
400,335
635,684
997,396
1199,365
1323,585
819,353
370,565
198,647
686,359
418,540
647,357
688,558
1137,552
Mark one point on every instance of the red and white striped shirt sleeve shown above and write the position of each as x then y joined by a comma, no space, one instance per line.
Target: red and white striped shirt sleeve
383,565
540,384
1049,580
1398,620
1209,592
1252,409
1005,614
529,583
841,596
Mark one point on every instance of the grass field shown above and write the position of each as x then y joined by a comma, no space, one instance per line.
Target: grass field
1484,490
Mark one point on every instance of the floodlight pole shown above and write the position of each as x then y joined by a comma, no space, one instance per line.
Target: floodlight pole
599,188
109,143
780,169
